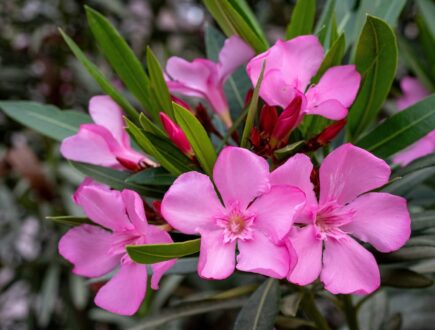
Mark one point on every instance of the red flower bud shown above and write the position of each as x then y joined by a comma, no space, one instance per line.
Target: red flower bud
286,122
255,138
180,102
248,98
176,135
268,119
330,132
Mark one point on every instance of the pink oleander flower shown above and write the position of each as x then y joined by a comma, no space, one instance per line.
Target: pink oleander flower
104,143
413,91
205,79
97,250
346,207
253,216
176,135
290,66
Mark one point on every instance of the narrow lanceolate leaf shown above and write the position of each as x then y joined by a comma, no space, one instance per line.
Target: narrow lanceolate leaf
376,61
158,84
117,179
70,220
401,130
252,110
235,18
150,127
160,148
427,10
153,177
197,136
153,253
302,19
333,57
404,278
261,309
45,119
101,80
422,220
121,57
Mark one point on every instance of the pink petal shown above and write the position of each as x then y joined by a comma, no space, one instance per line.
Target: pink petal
260,255
216,258
240,176
88,146
348,268
135,210
413,91
195,75
349,171
296,171
275,90
340,83
191,203
104,207
177,87
380,219
297,60
422,147
233,54
124,293
275,210
309,252
157,236
87,248
331,109
107,113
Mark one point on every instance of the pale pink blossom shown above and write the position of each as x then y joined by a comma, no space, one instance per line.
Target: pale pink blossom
252,216
96,250
205,79
324,239
290,66
106,142
413,91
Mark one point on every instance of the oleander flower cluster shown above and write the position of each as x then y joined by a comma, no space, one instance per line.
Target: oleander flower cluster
305,217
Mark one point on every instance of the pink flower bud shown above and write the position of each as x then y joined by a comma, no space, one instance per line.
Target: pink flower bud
176,135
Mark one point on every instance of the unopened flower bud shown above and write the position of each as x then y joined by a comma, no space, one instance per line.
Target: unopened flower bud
268,119
176,135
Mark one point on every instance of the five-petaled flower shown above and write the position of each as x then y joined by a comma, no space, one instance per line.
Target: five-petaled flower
205,79
106,142
346,207
290,66
253,216
413,91
96,250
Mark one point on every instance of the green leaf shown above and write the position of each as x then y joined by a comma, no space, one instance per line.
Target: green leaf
45,119
401,130
252,110
410,254
117,179
238,84
160,148
427,10
70,220
232,18
376,61
153,177
153,253
390,11
422,220
102,81
333,57
197,136
302,19
261,309
404,278
121,58
150,127
158,84
288,150
418,164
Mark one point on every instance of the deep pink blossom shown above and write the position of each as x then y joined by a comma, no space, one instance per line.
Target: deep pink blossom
176,135
253,216
413,91
205,79
290,66
323,238
96,250
104,143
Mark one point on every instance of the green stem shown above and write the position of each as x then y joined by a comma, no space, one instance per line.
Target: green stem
350,312
310,308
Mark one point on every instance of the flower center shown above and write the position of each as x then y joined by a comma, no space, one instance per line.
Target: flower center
330,217
236,225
